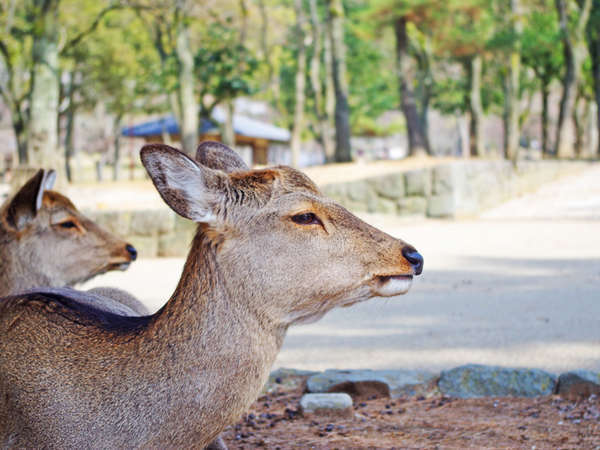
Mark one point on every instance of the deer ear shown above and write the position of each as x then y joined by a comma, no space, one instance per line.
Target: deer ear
220,157
192,191
49,179
25,204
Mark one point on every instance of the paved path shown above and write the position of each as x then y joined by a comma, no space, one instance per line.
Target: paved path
520,287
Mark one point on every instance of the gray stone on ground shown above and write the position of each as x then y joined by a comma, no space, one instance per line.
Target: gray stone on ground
339,405
397,383
474,380
287,379
578,383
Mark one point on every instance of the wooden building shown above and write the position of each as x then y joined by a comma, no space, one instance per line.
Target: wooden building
248,132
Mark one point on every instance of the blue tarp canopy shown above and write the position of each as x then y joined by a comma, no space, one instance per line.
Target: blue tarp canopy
242,125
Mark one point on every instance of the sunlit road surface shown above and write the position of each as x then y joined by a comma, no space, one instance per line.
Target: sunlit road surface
518,287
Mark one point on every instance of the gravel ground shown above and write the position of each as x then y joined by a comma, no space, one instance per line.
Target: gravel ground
519,286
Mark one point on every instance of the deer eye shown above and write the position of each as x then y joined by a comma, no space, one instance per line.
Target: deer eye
67,224
306,219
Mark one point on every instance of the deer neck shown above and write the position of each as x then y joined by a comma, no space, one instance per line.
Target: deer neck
226,348
17,271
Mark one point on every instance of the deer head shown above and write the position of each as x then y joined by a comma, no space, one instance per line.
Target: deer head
45,241
277,237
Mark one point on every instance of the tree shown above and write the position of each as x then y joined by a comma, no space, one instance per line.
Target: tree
15,70
418,142
169,26
541,52
33,26
470,24
323,93
300,82
336,16
593,41
402,15
573,36
511,95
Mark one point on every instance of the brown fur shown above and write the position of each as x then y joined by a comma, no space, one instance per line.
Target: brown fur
36,250
86,377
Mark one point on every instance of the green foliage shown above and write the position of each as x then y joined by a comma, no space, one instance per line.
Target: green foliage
372,79
224,66
541,45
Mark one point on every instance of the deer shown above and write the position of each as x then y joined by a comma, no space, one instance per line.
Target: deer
270,251
46,241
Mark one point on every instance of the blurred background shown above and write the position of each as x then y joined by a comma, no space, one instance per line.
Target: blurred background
408,112
300,82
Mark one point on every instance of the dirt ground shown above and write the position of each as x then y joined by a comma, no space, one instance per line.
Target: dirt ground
274,421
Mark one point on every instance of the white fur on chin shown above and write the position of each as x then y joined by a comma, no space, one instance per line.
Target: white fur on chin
393,286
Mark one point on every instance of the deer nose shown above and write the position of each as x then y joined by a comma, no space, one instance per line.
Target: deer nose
414,258
132,251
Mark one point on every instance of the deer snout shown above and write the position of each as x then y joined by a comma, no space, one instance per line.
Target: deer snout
414,258
132,251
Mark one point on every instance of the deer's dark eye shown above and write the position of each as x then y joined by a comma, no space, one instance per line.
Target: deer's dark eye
306,219
67,224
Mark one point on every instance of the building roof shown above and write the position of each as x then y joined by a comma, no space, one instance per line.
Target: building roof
242,125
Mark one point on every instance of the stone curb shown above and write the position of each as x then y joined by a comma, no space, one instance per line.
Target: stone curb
468,381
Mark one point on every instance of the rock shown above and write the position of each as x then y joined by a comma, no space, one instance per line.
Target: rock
444,179
474,380
151,222
578,384
359,191
385,206
339,405
117,222
389,186
287,379
409,206
336,192
418,182
392,383
443,205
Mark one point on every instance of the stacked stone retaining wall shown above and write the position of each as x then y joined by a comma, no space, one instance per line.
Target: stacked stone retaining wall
449,190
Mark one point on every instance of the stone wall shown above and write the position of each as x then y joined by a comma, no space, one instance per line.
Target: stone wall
450,190
154,233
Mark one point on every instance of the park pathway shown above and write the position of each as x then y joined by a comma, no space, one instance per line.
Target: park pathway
519,286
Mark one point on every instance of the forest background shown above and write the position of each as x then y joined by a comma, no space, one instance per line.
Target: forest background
326,70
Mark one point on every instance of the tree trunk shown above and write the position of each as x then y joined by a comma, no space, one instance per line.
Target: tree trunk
117,146
574,50
417,140
343,151
300,84
475,107
579,122
511,92
43,130
272,75
188,108
593,40
228,131
323,119
329,133
69,128
424,84
545,121
20,130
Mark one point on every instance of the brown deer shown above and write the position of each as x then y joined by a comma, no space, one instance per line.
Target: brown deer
45,241
270,251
